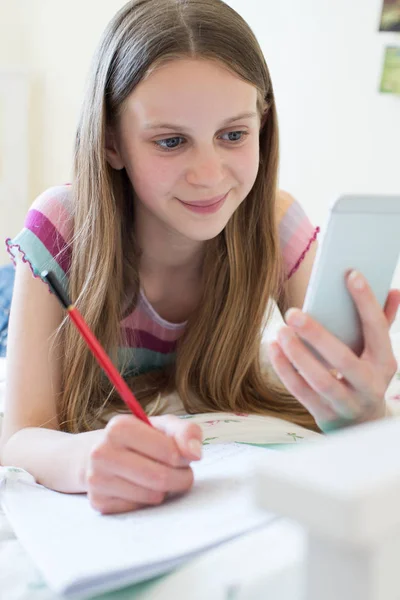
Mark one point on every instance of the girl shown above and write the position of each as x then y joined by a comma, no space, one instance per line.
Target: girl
172,239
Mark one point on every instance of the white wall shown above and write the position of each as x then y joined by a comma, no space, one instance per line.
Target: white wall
14,39
53,42
338,134
14,111
63,39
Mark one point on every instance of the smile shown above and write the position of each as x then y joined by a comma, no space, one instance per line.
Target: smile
206,206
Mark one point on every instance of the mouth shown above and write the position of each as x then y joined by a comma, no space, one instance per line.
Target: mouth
205,203
212,205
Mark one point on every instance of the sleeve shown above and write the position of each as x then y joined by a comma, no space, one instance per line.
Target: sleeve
296,232
44,240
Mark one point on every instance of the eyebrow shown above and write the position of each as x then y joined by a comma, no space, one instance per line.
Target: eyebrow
177,127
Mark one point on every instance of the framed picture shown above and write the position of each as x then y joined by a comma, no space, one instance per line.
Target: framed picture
390,18
390,80
14,147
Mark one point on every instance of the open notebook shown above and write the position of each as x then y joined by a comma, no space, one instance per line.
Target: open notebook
82,553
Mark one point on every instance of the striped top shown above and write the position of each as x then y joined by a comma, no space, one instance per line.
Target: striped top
149,340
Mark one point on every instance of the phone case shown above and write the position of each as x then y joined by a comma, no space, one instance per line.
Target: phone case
362,233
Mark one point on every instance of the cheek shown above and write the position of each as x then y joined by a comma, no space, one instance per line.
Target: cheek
150,176
246,166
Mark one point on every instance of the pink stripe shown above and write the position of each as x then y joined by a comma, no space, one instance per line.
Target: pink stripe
303,254
50,237
294,238
295,220
139,319
142,339
54,205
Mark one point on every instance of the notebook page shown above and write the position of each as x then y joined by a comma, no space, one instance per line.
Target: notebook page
77,548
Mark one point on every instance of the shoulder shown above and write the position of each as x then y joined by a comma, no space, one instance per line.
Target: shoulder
50,218
45,239
55,204
297,237
289,212
296,232
284,200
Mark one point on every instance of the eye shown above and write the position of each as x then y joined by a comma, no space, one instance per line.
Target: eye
235,136
170,143
177,141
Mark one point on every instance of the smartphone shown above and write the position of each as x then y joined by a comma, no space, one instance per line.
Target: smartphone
362,232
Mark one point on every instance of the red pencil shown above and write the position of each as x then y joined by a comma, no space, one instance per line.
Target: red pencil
97,349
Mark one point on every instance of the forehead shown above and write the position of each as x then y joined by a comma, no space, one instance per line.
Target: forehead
182,88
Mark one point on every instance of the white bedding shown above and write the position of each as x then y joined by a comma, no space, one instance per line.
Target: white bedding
19,579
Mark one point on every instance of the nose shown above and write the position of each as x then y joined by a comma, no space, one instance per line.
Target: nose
206,168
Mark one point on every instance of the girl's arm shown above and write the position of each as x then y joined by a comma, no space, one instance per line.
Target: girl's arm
353,390
30,433
122,467
53,457
288,221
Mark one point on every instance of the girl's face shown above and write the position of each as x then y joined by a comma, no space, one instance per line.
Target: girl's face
188,137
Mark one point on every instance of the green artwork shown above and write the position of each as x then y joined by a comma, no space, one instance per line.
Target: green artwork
390,81
390,18
14,470
295,437
207,440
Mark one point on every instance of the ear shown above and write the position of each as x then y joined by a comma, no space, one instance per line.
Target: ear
112,152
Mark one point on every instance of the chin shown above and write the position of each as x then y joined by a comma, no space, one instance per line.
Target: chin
205,232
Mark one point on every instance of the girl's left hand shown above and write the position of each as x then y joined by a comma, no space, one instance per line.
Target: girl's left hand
353,391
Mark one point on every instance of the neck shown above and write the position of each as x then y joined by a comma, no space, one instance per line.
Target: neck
165,252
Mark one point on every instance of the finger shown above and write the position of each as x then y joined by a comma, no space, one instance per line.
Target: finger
334,351
141,470
316,375
126,431
374,322
107,506
391,306
113,486
297,386
188,436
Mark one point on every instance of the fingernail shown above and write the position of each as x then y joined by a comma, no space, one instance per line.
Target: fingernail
356,280
295,317
195,447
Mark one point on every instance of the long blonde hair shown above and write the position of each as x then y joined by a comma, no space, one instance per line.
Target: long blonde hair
218,357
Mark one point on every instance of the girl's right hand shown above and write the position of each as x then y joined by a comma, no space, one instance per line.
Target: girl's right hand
134,465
